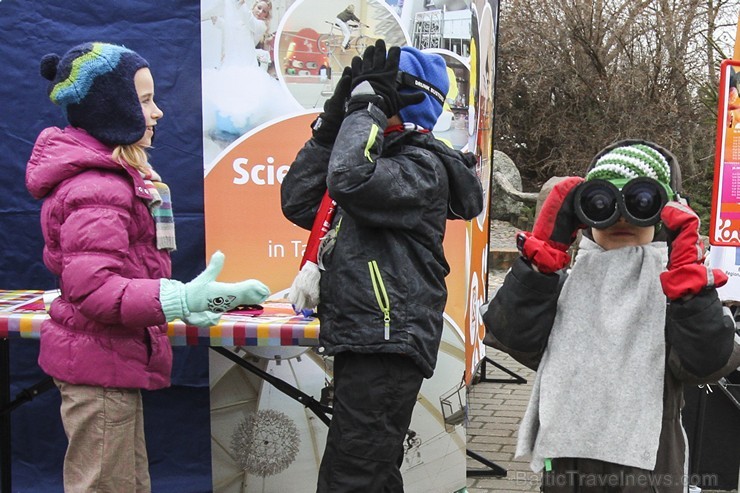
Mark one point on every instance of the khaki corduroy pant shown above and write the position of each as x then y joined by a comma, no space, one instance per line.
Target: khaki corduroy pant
107,450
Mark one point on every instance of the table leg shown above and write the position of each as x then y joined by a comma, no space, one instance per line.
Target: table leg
5,474
320,410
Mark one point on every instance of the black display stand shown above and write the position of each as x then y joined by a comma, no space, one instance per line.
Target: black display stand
319,409
492,469
515,378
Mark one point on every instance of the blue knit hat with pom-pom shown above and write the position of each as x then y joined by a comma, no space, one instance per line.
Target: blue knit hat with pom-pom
94,85
431,68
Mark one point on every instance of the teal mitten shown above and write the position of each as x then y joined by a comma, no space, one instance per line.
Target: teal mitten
204,294
202,319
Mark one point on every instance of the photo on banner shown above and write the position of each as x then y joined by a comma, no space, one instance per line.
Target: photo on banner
267,69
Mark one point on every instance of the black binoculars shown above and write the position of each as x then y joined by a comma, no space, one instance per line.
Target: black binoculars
600,203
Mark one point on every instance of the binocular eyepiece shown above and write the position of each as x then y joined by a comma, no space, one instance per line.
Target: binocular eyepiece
599,203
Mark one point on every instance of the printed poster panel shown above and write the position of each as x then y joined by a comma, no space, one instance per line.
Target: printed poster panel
727,259
267,68
724,227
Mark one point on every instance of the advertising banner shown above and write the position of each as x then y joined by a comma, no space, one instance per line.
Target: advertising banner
267,69
725,213
724,228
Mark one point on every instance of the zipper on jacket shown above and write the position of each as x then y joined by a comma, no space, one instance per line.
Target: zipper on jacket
382,296
370,141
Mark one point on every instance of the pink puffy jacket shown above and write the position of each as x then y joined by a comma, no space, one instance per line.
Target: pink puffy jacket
107,327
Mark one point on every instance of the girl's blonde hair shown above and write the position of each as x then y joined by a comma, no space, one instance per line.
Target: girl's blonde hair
134,155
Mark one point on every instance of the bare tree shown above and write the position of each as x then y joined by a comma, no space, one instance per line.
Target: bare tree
575,75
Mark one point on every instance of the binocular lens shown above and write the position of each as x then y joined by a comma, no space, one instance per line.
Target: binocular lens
643,200
598,203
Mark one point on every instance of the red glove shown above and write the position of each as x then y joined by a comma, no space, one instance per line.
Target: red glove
686,274
554,231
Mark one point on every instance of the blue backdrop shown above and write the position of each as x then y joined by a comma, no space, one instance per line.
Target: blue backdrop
167,34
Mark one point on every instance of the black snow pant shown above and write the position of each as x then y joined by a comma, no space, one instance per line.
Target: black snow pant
374,396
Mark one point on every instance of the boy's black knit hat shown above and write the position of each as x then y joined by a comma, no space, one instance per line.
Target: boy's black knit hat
94,85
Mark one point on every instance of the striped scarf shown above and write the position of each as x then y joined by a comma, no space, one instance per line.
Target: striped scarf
160,206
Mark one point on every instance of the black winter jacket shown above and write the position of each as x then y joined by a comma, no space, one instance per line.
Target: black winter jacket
700,348
383,288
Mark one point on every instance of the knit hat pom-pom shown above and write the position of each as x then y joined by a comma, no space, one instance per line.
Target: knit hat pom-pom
49,65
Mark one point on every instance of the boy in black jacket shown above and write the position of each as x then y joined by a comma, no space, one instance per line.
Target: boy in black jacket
383,267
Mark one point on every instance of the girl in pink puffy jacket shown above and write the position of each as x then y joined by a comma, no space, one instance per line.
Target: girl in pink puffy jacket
108,231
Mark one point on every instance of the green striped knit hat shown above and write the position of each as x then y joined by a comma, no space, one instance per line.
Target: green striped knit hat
624,163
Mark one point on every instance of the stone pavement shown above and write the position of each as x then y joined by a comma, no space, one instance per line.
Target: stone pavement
496,409
494,413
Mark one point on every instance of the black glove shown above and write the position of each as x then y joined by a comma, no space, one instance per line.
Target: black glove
326,126
380,72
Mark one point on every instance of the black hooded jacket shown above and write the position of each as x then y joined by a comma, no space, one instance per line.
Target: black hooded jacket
383,285
701,347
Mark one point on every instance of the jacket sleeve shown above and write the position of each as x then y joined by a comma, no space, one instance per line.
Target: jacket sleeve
702,346
305,183
94,242
520,316
390,191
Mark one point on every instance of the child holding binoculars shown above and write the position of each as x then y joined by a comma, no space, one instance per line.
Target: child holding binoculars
614,339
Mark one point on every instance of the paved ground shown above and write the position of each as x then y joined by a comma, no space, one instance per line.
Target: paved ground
496,409
494,413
